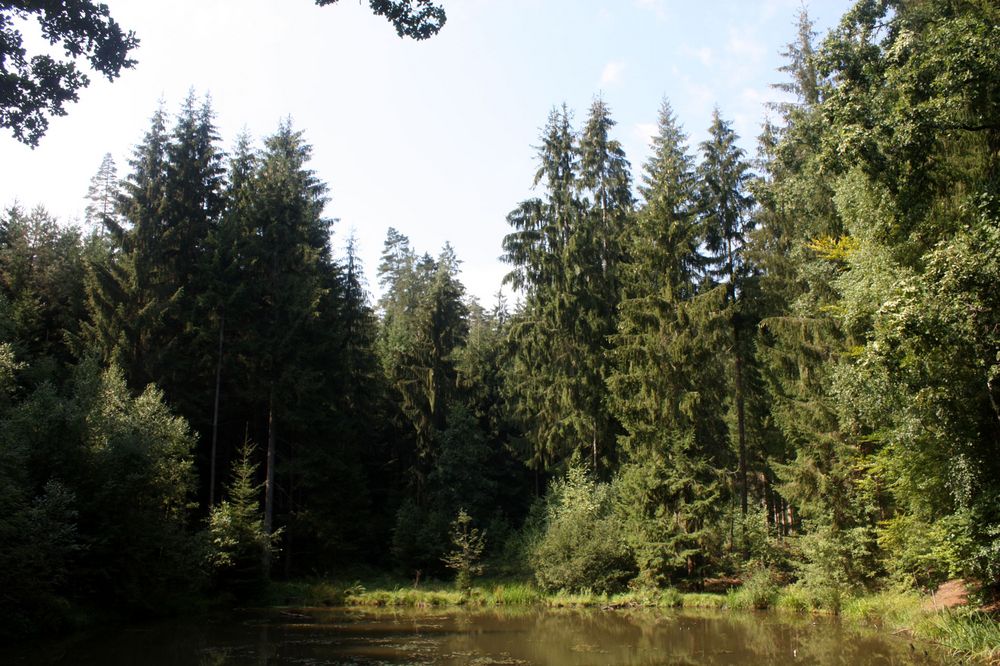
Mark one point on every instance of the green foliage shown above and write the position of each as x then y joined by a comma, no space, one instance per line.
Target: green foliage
795,374
40,539
759,542
40,86
974,633
468,544
835,563
419,537
926,554
582,546
759,591
566,251
135,495
668,508
418,19
96,487
42,268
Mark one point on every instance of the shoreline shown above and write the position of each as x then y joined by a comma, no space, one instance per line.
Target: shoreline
964,631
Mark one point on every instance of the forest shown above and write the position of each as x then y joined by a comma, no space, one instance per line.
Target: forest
714,365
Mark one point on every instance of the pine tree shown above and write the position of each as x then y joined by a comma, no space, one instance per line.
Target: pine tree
102,195
599,248
800,338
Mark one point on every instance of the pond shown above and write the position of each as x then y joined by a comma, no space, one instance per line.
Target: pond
491,636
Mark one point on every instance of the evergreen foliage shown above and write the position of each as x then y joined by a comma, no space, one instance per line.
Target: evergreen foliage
581,546
468,545
566,251
237,538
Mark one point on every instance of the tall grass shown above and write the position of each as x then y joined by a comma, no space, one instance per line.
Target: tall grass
408,598
513,594
971,633
703,600
890,608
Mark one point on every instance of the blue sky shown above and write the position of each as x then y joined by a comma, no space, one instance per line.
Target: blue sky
434,138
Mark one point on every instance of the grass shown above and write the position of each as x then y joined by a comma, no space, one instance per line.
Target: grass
513,594
703,600
965,632
891,608
407,598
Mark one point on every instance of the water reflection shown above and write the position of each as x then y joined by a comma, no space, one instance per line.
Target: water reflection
519,636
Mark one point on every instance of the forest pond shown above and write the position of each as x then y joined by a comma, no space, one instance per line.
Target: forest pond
522,636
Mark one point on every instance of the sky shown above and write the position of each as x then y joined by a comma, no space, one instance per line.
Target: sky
434,138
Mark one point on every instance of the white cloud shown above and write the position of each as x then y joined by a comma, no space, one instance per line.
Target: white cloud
745,47
704,54
755,96
658,7
644,132
612,72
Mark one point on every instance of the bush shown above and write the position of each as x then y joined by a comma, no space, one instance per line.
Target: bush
582,545
835,564
758,592
926,554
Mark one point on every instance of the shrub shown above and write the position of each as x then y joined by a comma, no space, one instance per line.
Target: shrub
758,592
582,545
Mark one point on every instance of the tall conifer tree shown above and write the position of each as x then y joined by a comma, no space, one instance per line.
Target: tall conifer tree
665,384
725,208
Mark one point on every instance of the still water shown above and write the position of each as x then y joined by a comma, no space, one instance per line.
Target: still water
526,636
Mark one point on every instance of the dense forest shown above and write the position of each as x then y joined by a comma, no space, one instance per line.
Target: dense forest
714,365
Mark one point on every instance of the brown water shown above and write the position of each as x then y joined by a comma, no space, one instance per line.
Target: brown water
527,636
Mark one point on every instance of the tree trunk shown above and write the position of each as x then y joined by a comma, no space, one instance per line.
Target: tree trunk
741,429
594,451
769,500
215,413
269,482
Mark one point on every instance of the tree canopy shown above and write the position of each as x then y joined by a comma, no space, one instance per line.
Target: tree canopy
32,88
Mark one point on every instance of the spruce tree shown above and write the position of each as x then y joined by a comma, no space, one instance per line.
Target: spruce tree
665,386
725,207
565,251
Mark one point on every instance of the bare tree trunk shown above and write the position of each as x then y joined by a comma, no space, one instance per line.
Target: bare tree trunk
741,430
769,500
269,482
594,451
215,412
